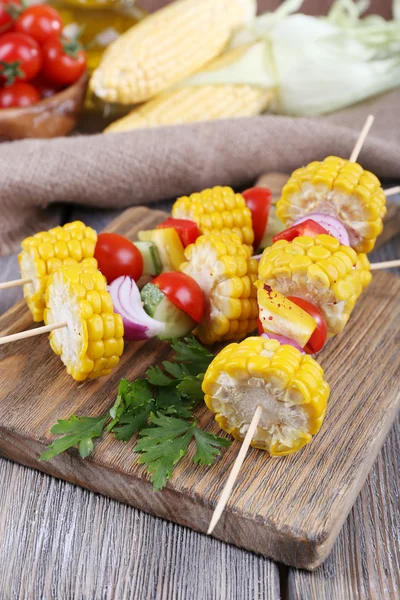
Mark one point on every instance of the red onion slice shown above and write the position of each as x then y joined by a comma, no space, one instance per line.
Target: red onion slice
283,340
138,325
333,226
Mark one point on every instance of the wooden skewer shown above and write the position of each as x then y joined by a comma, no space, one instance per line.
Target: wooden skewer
392,191
226,492
30,333
14,283
361,138
389,264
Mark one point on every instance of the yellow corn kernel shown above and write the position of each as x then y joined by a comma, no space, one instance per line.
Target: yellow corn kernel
290,388
45,252
158,51
91,343
355,197
200,208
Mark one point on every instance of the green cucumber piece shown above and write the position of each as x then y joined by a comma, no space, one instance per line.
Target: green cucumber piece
274,226
156,304
151,258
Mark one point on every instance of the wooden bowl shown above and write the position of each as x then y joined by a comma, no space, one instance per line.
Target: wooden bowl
52,117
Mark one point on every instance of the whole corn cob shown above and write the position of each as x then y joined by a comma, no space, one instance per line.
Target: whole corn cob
217,209
166,47
46,251
222,267
319,270
92,342
199,103
342,189
288,385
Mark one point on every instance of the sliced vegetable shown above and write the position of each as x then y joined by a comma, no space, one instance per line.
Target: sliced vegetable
283,340
306,227
169,246
333,226
117,256
184,292
138,325
258,200
151,259
157,305
280,316
187,230
318,338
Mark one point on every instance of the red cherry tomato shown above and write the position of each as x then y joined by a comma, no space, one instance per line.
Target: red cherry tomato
308,227
260,328
18,95
186,229
117,256
64,61
40,21
184,292
318,338
20,57
258,200
7,9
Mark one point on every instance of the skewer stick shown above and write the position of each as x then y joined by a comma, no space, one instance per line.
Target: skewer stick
14,283
226,492
31,332
392,191
389,264
361,138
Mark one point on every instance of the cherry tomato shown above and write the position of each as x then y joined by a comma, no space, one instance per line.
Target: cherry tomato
258,200
45,88
184,292
20,57
260,328
18,95
7,9
40,21
64,61
116,256
186,229
318,338
308,227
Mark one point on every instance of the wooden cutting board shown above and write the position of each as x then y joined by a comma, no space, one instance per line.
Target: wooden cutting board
289,509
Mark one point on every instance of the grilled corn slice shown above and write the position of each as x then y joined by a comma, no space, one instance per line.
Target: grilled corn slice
92,342
166,47
342,189
288,385
217,209
199,103
222,267
46,251
319,270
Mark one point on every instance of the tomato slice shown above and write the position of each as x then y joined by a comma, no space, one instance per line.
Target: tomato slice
318,338
184,292
308,227
258,200
186,229
117,256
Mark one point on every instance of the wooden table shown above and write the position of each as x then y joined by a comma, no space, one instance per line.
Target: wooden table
59,541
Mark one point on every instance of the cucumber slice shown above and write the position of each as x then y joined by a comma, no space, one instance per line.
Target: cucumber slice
274,226
156,304
151,259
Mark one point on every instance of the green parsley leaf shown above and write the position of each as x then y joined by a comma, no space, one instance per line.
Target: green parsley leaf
177,370
80,430
157,377
190,386
208,446
190,350
132,422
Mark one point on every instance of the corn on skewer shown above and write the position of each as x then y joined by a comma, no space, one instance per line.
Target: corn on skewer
15,337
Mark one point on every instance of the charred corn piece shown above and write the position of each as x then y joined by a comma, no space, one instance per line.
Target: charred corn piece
222,267
168,245
46,251
342,189
198,103
92,342
320,270
217,209
166,47
288,385
281,316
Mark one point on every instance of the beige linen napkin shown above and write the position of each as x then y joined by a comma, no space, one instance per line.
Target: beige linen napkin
144,166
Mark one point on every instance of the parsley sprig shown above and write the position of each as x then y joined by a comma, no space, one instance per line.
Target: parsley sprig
159,407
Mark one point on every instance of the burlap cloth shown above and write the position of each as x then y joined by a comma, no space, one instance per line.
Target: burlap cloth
139,167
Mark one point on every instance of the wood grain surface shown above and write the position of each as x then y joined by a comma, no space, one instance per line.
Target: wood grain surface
277,509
